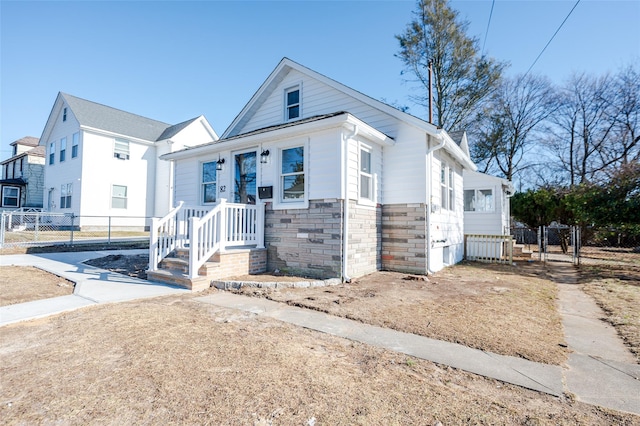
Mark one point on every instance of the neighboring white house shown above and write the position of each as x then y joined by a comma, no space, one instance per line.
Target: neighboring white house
101,161
351,185
22,177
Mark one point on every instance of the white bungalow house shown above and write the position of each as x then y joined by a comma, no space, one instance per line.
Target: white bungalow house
23,176
320,179
101,161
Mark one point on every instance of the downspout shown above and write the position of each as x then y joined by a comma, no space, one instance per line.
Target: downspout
429,188
345,222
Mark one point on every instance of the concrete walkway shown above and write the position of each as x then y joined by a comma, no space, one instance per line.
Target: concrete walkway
93,285
599,371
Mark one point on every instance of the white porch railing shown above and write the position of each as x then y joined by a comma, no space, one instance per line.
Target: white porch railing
489,248
205,231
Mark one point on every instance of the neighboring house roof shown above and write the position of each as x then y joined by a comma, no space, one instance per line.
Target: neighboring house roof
27,140
286,65
98,116
460,138
171,131
38,151
18,181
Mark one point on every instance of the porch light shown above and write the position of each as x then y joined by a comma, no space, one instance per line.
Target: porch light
219,163
264,156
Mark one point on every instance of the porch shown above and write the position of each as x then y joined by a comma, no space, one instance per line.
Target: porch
192,246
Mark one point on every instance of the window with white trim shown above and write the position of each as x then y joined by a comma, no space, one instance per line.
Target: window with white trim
64,114
52,152
209,182
121,149
75,139
63,149
292,187
447,180
118,197
65,195
478,200
366,175
10,196
292,103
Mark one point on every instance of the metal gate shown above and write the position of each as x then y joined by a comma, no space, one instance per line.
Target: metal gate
559,243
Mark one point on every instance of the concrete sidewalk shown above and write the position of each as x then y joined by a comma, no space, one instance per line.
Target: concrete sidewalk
93,285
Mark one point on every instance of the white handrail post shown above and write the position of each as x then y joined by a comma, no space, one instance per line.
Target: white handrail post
153,245
223,224
194,246
260,225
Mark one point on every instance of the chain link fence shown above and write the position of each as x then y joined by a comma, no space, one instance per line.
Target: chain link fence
580,245
23,229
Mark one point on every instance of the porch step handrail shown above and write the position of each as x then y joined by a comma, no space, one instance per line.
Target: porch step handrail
164,236
226,225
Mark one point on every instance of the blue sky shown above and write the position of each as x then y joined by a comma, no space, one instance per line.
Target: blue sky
172,61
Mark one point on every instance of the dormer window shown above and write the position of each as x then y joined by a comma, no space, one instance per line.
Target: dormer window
292,98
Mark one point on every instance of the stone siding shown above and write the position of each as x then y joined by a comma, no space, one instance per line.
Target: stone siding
404,231
305,241
365,240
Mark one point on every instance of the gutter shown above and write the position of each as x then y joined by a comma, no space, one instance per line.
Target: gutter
429,156
345,221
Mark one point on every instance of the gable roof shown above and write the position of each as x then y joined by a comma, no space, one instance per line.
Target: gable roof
286,65
102,117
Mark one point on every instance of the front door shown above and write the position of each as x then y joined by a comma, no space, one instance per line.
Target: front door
244,177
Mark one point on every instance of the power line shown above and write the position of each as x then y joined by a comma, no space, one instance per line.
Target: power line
486,33
551,39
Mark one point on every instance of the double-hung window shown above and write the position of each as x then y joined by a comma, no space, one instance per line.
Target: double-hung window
65,195
63,149
118,197
52,152
366,176
10,195
121,149
292,100
74,144
292,175
64,114
478,200
209,182
447,194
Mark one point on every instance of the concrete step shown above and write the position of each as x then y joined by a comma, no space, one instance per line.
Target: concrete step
180,279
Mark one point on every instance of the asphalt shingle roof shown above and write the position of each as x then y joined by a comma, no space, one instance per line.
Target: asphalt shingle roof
102,117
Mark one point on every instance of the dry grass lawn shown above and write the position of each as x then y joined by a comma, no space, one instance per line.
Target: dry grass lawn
173,360
616,288
502,309
25,284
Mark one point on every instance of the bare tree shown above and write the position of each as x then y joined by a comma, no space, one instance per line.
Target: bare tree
462,78
510,122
